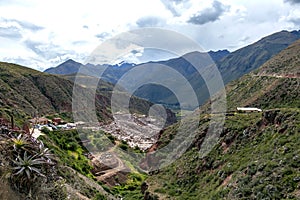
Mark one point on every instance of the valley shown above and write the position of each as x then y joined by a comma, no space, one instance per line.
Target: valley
255,154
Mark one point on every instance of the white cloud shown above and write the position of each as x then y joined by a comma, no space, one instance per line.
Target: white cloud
209,14
151,21
42,34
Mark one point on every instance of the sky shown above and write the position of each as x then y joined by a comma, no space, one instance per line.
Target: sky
43,34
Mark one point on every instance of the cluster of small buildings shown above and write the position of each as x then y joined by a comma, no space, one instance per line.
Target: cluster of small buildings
54,124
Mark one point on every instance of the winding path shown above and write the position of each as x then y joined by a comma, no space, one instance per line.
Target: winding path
111,172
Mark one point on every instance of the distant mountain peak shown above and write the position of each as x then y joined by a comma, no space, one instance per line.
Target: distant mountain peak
68,67
70,61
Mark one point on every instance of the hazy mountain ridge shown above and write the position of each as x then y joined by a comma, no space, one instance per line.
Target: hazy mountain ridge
72,67
152,93
231,66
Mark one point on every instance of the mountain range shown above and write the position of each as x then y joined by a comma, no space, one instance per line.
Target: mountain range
72,67
231,66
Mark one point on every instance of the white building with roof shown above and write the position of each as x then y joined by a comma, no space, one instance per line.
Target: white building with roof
248,109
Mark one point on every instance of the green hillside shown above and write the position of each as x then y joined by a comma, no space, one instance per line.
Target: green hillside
27,92
274,85
253,56
287,63
257,155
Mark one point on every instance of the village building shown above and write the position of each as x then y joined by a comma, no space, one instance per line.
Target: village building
248,109
40,121
57,120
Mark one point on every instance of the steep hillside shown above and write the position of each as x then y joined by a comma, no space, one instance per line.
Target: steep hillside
29,92
253,56
29,170
275,84
257,155
286,64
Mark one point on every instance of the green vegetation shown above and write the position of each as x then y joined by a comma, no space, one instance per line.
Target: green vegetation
30,93
65,116
131,190
257,155
68,147
252,161
20,118
264,92
65,144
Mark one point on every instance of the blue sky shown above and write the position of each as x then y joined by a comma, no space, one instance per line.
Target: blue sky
42,34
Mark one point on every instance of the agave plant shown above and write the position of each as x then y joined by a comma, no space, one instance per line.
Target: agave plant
28,159
20,142
45,152
28,165
15,143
